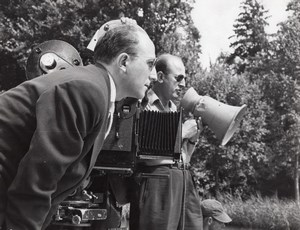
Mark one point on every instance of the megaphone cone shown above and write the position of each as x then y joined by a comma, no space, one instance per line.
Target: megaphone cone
221,118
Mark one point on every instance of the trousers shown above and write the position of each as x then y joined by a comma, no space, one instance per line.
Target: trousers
166,202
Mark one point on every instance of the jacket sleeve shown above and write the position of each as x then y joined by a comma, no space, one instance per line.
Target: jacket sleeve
65,115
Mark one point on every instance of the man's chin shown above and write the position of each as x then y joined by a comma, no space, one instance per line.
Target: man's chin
142,93
139,95
175,96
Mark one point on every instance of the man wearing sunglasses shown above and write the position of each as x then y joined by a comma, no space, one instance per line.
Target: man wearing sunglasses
169,202
52,128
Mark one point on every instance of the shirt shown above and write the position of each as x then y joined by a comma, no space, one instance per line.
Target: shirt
111,110
154,104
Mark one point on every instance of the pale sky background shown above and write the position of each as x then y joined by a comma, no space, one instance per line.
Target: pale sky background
215,18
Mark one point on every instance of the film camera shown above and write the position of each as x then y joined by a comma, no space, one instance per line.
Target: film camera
135,134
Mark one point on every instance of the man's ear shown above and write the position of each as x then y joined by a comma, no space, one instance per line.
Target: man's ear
122,61
210,220
160,76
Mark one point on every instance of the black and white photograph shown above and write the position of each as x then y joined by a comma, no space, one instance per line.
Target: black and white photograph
149,114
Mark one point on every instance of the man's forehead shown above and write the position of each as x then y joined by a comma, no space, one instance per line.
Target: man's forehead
176,66
146,46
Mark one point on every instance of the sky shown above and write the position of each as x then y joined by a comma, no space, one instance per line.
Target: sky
215,18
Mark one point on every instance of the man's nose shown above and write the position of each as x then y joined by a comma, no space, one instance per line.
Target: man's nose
153,75
182,83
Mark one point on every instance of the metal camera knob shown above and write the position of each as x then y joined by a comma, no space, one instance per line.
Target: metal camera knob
48,61
76,219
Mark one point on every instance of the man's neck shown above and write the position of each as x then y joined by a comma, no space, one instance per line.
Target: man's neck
112,73
164,100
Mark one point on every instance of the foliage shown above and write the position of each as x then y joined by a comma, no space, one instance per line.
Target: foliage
288,41
280,91
280,76
11,74
25,23
271,62
218,167
281,53
261,213
250,36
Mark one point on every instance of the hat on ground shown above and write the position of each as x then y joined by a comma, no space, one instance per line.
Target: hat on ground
213,208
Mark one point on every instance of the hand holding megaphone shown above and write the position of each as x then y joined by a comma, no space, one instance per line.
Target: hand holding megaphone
191,129
221,118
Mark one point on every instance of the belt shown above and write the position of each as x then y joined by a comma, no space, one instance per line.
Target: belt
181,165
143,170
156,162
178,165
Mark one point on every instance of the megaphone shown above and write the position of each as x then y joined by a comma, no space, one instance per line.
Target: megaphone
221,118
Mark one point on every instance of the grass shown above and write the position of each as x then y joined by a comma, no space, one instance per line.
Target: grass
262,213
256,213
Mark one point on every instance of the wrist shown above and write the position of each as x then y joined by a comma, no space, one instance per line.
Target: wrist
191,142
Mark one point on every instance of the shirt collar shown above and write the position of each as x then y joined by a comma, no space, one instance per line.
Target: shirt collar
152,97
113,91
155,101
112,105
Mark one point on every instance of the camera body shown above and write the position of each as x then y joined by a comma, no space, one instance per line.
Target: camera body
135,134
50,56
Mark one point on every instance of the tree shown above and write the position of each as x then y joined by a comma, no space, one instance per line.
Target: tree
274,67
250,36
280,74
216,166
279,93
25,23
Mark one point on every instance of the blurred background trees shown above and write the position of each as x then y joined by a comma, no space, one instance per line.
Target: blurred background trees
25,23
262,71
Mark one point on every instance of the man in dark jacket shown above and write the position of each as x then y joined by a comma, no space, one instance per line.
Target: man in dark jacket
53,127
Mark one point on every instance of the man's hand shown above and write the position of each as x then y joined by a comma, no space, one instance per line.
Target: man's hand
191,129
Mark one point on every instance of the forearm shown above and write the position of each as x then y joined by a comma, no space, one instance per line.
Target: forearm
187,150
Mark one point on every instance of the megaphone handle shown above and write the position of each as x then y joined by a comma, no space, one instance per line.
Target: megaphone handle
199,126
199,130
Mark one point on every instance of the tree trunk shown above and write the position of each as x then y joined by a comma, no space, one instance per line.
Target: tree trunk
296,181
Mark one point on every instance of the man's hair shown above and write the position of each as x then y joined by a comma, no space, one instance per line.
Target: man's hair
163,62
122,39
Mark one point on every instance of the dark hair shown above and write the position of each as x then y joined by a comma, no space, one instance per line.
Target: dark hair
122,39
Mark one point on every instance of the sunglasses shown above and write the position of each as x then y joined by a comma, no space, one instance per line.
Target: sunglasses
179,77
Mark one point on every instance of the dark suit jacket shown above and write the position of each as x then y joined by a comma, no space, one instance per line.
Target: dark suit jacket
47,129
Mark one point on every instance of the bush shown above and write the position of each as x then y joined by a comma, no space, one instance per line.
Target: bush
262,213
